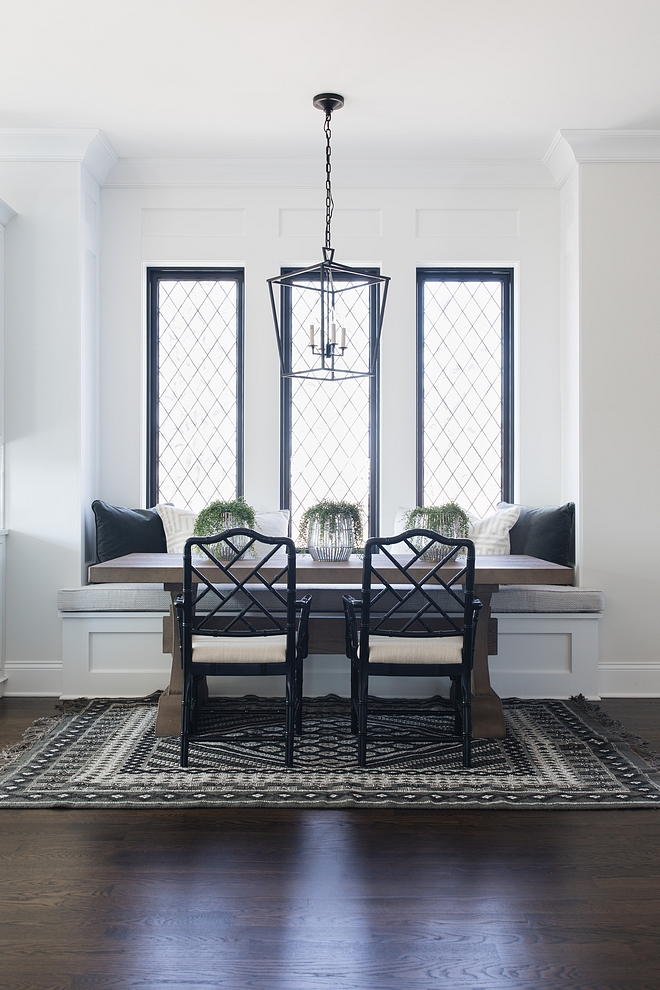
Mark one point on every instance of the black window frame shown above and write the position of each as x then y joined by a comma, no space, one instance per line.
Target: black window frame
485,274
196,274
374,401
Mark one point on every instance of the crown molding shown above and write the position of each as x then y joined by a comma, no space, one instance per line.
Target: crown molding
573,147
6,213
309,174
85,145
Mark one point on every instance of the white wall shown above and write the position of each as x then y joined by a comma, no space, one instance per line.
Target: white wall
263,228
75,353
6,214
52,179
620,400
587,403
42,388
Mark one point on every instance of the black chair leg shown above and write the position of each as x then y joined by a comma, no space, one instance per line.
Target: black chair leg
363,688
354,698
290,716
298,698
185,719
455,696
466,692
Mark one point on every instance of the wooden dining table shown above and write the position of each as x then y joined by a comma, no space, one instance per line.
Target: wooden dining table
327,631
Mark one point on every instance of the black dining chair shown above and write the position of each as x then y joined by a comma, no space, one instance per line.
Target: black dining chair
239,617
419,622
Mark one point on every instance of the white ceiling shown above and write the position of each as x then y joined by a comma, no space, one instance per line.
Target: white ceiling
423,79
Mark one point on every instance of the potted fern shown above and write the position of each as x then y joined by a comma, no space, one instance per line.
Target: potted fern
331,530
218,516
448,520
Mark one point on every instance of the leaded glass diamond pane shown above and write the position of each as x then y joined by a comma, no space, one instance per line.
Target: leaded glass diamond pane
197,390
330,419
463,394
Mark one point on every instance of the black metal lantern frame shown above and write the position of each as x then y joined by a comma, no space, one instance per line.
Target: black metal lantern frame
327,355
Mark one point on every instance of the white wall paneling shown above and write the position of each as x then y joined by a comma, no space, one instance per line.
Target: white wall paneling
620,401
51,299
283,225
120,654
115,655
6,213
585,246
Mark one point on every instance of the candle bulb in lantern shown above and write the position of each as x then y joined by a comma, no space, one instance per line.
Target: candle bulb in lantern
343,337
333,338
311,335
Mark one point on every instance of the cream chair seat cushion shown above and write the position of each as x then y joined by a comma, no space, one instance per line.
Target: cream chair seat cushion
408,649
235,649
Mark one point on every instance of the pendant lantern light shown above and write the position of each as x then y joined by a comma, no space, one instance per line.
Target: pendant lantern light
335,312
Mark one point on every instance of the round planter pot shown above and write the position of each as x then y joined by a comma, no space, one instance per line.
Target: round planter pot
331,539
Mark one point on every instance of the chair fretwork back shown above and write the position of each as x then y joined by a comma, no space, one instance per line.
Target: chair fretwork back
242,598
434,599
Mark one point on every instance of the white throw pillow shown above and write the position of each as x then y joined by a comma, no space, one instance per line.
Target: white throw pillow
271,524
178,525
491,534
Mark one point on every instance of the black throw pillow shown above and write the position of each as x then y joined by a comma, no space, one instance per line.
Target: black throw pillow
547,533
120,531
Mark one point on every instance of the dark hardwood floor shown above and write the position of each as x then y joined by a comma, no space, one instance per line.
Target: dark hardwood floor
303,900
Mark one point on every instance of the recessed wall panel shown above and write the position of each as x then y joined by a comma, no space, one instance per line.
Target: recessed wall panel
345,223
132,652
467,223
193,223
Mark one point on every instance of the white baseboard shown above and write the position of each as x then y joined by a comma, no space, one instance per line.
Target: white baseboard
42,680
629,680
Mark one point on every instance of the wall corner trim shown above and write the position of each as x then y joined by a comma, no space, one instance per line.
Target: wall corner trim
86,145
560,159
6,213
99,157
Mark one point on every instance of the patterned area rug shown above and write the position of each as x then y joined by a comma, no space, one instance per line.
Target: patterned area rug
107,755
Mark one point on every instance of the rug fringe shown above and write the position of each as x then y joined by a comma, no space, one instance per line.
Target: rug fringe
36,731
75,706
637,744
32,735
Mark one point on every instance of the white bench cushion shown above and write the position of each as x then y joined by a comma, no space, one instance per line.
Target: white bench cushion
327,599
114,598
546,598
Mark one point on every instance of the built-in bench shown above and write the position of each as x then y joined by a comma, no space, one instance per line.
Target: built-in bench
114,643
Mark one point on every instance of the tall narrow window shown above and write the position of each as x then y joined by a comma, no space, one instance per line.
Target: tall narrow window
195,385
464,387
330,428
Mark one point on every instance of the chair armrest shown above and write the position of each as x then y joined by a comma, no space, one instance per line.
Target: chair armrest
351,608
302,641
